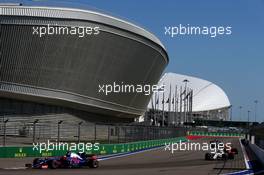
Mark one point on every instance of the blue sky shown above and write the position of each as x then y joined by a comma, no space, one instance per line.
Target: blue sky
234,62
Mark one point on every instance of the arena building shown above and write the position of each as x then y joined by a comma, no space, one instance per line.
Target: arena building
186,98
54,59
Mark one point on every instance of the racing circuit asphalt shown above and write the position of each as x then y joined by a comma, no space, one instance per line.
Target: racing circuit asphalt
152,162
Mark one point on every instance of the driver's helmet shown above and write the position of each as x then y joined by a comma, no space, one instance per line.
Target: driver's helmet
81,154
68,154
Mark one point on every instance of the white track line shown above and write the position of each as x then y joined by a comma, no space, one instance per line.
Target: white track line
127,154
15,168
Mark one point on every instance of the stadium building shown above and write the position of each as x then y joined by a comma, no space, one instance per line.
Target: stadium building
186,98
61,73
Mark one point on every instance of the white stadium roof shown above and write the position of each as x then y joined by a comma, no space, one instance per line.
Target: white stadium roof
206,95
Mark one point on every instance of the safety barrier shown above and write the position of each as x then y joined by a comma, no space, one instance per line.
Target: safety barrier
257,151
214,134
104,149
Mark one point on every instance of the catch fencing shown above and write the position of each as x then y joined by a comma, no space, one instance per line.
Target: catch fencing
16,131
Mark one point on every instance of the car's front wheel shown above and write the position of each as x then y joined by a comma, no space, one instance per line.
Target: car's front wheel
94,164
225,156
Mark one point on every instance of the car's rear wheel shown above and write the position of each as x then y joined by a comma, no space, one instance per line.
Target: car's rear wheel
231,156
54,164
224,156
208,156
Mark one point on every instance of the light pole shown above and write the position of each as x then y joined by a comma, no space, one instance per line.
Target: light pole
185,92
240,112
95,130
4,140
34,129
59,123
79,131
231,112
256,108
248,119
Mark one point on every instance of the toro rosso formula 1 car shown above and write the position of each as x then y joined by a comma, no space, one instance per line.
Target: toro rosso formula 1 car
70,160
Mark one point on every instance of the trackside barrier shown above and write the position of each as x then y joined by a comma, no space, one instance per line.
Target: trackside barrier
214,134
104,149
259,153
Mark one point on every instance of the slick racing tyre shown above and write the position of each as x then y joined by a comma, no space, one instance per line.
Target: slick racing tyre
231,156
208,156
54,164
225,156
94,164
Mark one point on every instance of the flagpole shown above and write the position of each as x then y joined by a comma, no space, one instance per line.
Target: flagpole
175,95
185,81
176,103
184,103
169,108
187,105
181,105
155,108
191,104
158,111
163,109
152,108
173,110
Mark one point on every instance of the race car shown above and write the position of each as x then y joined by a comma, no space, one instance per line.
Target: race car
233,150
220,155
216,143
70,160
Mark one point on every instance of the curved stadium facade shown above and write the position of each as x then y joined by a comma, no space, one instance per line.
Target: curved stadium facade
54,73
